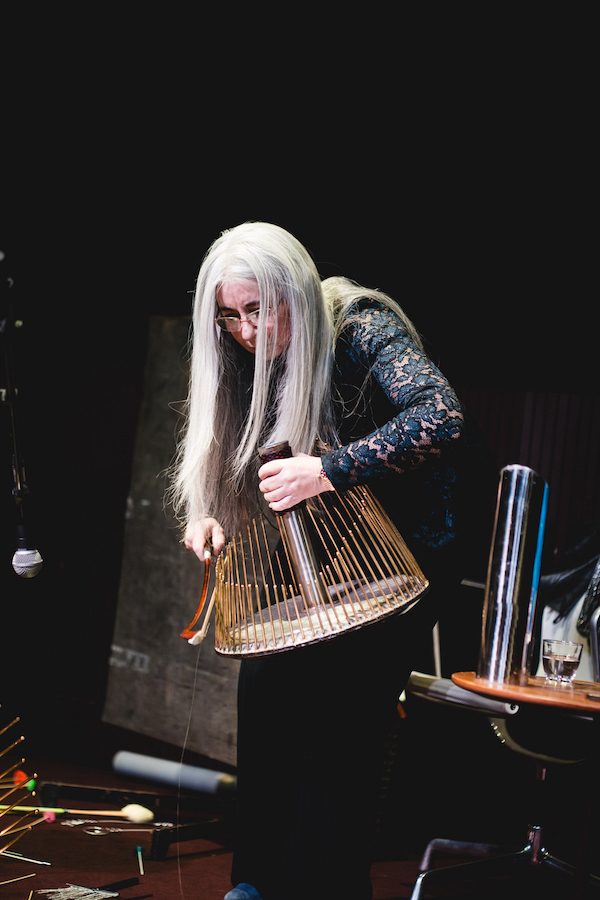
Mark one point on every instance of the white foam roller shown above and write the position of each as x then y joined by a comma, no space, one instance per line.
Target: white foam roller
165,771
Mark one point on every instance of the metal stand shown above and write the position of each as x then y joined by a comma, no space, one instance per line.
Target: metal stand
507,863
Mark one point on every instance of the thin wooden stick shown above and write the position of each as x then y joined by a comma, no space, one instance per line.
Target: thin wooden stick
7,809
16,787
18,741
14,840
11,830
20,878
12,768
10,724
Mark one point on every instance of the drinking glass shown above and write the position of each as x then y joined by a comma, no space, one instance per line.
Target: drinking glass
561,661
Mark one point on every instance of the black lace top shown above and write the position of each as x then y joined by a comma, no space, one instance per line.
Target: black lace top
402,427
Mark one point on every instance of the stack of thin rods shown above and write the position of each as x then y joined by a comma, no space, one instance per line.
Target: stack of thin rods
13,830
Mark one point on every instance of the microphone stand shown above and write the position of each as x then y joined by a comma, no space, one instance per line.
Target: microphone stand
27,561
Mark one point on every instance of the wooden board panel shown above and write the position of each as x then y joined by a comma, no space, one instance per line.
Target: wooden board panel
157,681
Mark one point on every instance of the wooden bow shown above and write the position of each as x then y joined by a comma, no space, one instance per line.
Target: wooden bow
190,633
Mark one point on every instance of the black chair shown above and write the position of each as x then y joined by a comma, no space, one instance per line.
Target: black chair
511,724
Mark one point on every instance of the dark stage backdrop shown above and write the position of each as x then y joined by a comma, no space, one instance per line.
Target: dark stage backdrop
157,681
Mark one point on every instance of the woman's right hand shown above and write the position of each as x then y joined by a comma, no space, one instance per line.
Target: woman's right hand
198,534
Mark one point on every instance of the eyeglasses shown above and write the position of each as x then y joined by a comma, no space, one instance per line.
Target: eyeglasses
234,323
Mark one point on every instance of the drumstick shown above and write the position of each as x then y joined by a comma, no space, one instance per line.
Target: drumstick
133,811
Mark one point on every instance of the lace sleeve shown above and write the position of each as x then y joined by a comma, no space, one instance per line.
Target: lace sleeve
428,413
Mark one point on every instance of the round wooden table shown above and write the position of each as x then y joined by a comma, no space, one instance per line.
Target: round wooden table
536,691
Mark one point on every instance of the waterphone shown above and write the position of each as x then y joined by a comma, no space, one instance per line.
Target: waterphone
340,564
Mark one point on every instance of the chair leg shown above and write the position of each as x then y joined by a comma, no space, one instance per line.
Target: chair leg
444,847
532,854
568,869
476,869
540,856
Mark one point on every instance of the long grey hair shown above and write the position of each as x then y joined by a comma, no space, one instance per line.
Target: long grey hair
236,404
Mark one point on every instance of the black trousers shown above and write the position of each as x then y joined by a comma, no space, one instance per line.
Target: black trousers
312,724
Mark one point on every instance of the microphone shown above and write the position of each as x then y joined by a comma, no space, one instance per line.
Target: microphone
27,560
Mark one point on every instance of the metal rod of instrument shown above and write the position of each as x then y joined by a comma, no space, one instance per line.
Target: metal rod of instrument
333,564
509,606
295,537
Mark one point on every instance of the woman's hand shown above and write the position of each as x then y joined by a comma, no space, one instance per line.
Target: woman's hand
197,535
285,482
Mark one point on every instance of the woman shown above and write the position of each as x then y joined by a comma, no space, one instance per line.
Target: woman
277,356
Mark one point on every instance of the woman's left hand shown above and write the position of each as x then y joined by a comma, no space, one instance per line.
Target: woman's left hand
286,482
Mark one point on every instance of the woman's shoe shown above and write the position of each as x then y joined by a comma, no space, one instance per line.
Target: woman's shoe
243,891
